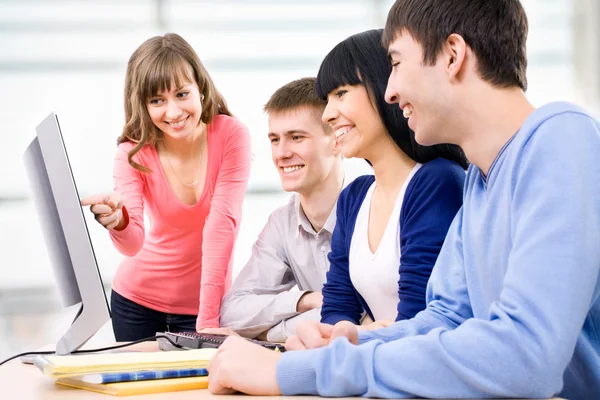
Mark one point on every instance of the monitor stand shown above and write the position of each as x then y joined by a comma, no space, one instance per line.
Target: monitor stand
62,347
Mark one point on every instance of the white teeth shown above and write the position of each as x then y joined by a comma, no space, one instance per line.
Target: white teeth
342,131
178,124
407,112
292,169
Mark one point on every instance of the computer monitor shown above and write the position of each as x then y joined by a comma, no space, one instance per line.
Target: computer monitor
66,235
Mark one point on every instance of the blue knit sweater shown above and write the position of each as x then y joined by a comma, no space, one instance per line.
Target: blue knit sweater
432,198
513,303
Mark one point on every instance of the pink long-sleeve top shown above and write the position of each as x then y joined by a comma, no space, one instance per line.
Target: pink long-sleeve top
182,263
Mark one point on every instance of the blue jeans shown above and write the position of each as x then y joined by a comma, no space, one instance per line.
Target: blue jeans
132,321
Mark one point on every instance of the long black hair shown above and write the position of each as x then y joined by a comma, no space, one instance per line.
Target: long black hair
361,59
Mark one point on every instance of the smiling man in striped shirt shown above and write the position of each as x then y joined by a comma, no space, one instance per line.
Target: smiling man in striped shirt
293,246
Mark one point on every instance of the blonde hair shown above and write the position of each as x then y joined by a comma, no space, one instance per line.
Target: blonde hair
154,67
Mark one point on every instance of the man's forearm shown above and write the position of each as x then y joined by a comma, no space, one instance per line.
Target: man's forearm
309,301
251,314
286,328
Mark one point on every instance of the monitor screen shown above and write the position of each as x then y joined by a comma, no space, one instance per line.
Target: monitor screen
66,234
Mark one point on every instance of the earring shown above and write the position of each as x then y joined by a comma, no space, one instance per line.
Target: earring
202,98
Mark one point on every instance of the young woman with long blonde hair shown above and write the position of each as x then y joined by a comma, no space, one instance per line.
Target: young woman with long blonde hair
184,160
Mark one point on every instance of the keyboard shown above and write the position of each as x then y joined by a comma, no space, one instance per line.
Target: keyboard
195,340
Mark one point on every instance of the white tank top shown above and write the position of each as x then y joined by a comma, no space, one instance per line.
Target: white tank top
375,275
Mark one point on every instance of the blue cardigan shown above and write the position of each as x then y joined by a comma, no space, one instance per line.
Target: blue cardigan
432,199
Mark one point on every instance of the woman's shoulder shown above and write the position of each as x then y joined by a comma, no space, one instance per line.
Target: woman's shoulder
359,185
144,156
228,132
441,166
437,181
440,170
227,124
353,194
128,146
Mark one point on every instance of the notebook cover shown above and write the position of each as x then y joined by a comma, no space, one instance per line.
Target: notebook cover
65,366
138,387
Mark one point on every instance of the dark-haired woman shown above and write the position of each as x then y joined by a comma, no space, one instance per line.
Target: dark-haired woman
390,225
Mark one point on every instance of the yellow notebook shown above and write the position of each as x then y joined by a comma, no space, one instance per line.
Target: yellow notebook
138,387
65,366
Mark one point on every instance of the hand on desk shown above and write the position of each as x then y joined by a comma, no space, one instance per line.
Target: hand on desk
240,365
312,334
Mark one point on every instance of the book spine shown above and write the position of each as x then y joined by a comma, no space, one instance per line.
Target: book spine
150,375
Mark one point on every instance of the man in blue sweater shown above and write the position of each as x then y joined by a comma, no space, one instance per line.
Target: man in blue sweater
513,303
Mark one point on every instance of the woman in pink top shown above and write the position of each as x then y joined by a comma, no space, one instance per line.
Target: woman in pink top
185,161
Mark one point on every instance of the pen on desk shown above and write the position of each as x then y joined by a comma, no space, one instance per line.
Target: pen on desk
142,375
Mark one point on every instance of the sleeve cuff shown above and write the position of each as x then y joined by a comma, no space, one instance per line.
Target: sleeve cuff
119,234
287,302
295,373
207,323
365,336
277,333
286,328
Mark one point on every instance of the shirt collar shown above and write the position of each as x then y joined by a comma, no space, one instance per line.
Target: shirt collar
486,178
301,219
330,223
304,223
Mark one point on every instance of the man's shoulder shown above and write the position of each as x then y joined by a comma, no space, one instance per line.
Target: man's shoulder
559,131
557,108
282,215
557,139
554,119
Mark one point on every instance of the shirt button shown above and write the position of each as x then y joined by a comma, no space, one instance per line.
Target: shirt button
323,248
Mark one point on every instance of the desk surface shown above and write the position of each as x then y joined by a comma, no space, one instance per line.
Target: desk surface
26,382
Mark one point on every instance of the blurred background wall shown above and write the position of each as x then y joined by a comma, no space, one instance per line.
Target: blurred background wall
70,57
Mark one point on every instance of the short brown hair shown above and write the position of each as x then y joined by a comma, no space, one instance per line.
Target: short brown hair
298,93
158,63
496,31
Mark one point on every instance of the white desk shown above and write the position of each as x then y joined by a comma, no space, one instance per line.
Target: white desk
26,382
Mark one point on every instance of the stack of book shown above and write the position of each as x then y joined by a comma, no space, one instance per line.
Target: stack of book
122,374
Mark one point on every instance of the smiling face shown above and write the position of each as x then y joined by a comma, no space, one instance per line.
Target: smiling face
302,148
177,110
173,100
420,90
354,121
